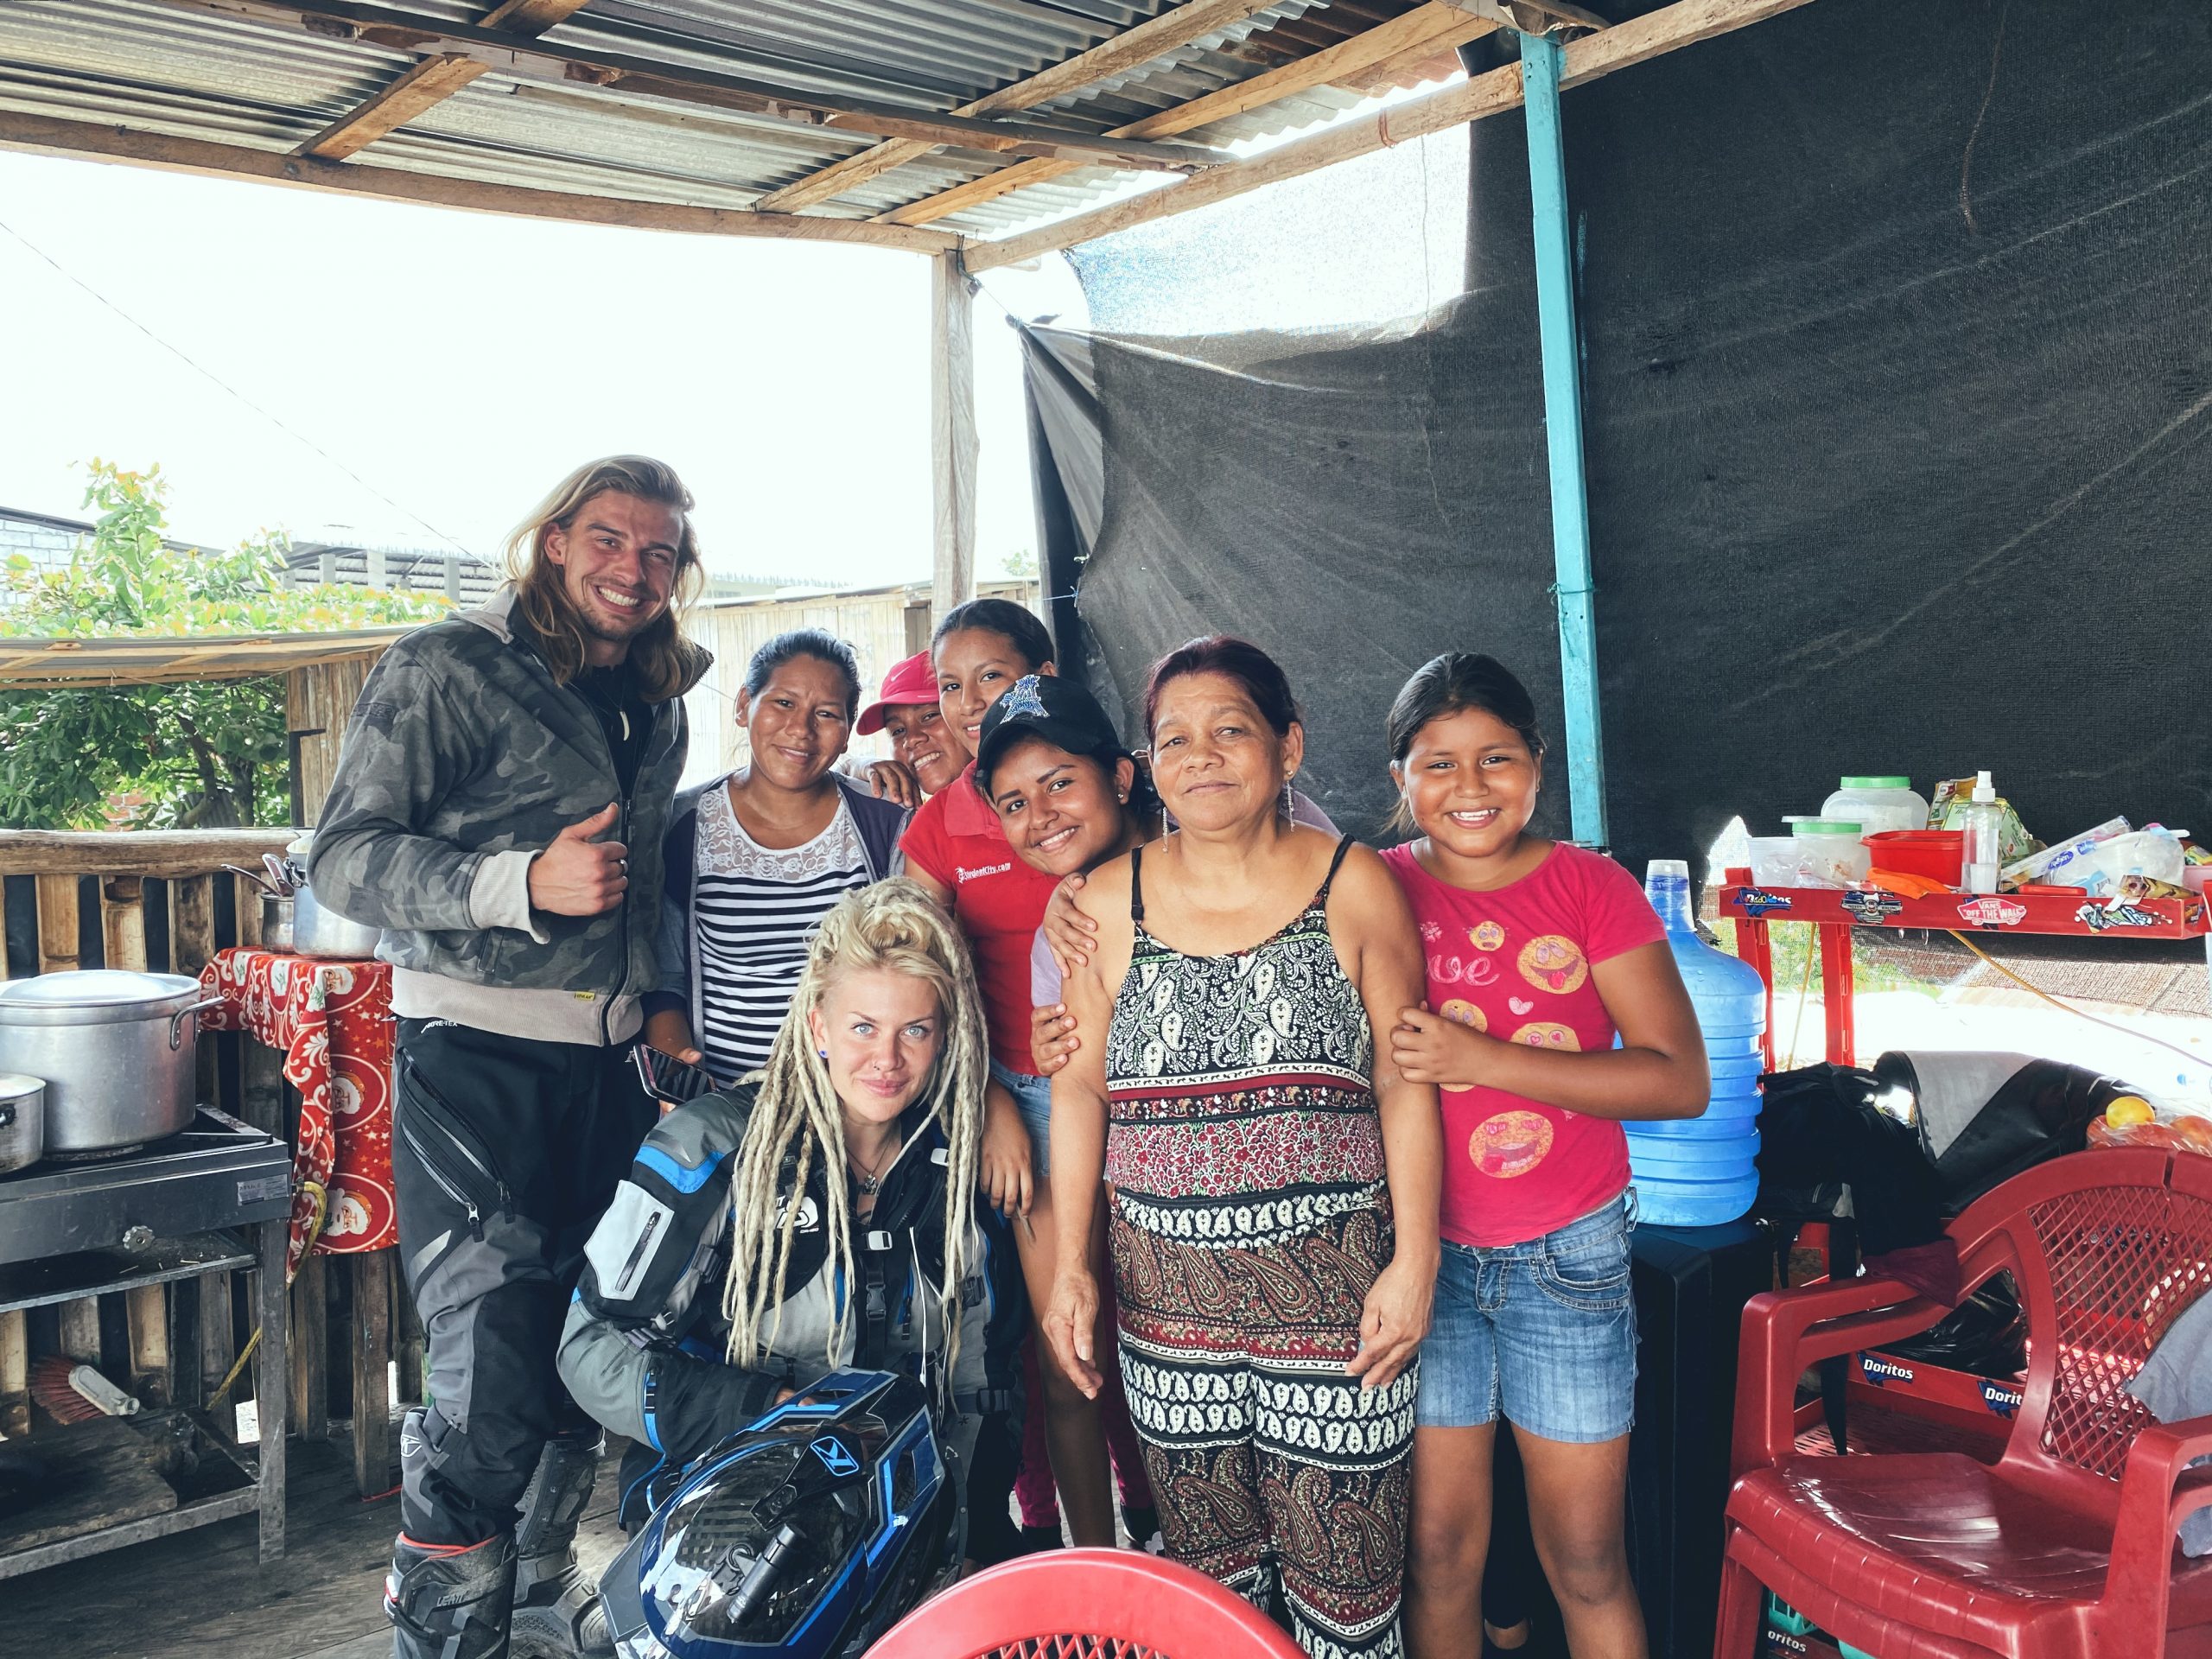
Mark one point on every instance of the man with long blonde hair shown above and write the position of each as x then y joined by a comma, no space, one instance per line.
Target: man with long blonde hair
499,812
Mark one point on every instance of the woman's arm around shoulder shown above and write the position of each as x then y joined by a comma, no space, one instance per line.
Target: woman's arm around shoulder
1380,947
1079,1125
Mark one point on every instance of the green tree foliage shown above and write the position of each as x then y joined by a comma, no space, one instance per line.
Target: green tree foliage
199,754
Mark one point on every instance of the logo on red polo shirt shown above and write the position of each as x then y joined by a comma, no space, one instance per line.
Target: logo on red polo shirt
964,875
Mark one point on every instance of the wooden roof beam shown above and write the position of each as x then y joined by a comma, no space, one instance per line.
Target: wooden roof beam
103,141
1668,30
523,58
1131,49
429,82
1435,26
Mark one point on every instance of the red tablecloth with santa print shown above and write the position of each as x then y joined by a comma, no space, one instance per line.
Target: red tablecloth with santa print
332,1022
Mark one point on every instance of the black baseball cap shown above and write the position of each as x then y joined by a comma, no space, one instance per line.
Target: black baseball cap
1050,706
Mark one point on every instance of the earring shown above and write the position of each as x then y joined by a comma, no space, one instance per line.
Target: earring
822,1052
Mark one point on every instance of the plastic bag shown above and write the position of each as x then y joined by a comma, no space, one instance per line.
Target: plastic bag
2133,1121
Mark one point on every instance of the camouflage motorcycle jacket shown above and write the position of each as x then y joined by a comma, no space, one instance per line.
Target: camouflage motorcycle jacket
462,762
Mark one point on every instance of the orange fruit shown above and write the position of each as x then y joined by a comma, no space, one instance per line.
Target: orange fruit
2195,1131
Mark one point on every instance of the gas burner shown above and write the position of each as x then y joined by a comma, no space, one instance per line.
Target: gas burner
217,1174
95,1155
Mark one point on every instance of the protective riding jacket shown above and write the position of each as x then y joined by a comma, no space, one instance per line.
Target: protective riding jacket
644,1349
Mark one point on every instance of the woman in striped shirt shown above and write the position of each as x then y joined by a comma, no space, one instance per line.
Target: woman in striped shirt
755,859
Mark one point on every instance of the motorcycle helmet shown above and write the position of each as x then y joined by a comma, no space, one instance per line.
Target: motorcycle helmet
805,1535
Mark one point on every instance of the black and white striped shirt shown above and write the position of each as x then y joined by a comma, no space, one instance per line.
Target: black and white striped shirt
756,910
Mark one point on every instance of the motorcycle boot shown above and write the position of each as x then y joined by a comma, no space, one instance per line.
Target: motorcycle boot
556,1613
451,1601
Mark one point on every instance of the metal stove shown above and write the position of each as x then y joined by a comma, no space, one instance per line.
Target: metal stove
219,1174
211,1200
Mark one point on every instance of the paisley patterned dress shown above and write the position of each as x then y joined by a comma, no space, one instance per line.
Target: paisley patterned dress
1250,1221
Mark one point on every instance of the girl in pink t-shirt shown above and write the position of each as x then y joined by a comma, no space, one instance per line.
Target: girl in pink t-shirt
1539,954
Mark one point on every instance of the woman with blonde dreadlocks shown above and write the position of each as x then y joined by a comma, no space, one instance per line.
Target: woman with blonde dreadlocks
715,1285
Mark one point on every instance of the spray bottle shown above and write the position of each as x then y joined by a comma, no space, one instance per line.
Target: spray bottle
1985,831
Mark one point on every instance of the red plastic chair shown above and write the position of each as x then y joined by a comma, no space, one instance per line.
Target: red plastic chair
2065,1549
1087,1603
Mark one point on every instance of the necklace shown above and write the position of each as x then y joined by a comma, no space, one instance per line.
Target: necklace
868,1180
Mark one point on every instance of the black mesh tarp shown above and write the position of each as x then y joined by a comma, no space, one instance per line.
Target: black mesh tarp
1897,363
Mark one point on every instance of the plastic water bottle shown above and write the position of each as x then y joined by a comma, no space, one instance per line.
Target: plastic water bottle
1700,1171
1985,828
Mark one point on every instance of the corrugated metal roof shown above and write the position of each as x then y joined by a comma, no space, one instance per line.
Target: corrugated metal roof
144,65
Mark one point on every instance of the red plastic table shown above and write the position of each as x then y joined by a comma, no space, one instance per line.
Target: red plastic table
331,1023
1834,912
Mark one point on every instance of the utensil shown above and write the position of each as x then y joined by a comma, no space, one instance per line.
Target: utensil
74,1393
22,1121
260,880
279,872
115,1049
319,933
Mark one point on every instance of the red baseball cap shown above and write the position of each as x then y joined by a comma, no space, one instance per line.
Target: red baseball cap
911,681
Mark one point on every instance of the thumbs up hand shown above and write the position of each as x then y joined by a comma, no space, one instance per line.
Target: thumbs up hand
577,875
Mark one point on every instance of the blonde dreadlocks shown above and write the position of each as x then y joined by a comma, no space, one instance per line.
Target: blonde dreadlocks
896,926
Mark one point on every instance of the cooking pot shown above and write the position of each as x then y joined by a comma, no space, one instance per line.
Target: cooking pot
319,933
115,1049
22,1122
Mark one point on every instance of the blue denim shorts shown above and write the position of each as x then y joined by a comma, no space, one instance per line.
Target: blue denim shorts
1032,1096
1544,1332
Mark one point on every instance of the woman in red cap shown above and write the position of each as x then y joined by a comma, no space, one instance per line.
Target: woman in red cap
922,740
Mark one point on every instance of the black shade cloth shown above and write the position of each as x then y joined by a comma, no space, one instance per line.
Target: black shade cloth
1898,374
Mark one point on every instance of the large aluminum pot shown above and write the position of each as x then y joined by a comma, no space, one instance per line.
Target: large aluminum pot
319,933
22,1122
115,1049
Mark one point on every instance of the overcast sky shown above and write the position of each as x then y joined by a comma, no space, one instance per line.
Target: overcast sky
418,376
460,364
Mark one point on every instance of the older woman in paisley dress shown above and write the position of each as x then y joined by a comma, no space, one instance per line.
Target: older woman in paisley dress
1275,1228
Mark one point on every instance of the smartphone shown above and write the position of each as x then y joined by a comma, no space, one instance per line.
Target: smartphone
666,1078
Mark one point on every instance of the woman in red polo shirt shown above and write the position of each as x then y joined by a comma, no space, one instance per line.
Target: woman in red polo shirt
956,847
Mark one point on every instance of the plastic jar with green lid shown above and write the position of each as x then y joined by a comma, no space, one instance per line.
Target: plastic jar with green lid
1877,804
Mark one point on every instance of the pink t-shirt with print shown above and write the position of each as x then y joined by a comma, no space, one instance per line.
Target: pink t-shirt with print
1515,961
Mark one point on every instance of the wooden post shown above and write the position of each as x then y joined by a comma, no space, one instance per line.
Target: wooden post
407,1340
57,953
320,699
14,1327
311,1349
192,947
218,1346
262,1069
952,432
80,1329
15,1375
372,1371
57,923
123,926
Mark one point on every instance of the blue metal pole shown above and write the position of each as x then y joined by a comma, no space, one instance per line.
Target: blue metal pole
1577,627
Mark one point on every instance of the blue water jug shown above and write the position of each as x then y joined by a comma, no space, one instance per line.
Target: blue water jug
1698,1171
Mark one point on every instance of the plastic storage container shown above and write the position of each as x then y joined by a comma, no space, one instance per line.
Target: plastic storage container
1698,1171
1817,853
1877,805
1931,854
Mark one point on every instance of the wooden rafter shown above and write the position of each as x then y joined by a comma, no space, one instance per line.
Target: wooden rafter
47,135
1435,26
1129,50
429,82
1668,30
523,58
